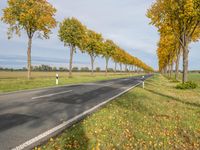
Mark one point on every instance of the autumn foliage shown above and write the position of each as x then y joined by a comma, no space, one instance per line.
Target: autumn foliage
178,22
76,35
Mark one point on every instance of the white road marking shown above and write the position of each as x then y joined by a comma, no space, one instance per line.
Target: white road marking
90,84
123,87
99,84
51,94
108,84
125,79
64,124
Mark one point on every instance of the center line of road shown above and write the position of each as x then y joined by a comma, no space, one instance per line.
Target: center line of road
125,79
108,84
99,84
51,94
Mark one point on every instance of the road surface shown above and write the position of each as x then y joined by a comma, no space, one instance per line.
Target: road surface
29,117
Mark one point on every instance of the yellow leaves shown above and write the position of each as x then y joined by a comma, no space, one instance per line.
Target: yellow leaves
189,8
97,147
30,15
167,47
93,44
171,17
123,57
39,148
51,140
128,134
72,32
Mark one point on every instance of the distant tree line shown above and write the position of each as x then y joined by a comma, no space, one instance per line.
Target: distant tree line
49,68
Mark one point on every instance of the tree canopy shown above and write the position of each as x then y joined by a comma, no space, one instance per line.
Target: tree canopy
72,33
31,16
178,21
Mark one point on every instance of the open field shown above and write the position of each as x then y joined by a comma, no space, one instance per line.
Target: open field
191,77
14,81
194,77
157,117
23,74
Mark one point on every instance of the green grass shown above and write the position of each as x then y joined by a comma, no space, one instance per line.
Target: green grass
191,77
14,81
157,117
194,77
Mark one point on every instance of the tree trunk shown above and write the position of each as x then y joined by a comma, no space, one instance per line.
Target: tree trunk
177,66
71,61
121,67
126,69
115,67
92,64
129,68
185,64
29,57
107,59
185,59
171,69
165,70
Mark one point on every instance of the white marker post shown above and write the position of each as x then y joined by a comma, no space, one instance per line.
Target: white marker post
57,79
143,82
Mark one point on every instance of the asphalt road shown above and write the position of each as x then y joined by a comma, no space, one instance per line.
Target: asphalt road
25,115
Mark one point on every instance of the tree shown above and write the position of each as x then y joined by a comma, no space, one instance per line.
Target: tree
116,57
54,68
98,69
183,17
167,51
73,34
62,69
110,70
93,46
33,16
84,69
75,69
109,48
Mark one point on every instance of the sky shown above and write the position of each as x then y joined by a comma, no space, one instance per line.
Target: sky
124,22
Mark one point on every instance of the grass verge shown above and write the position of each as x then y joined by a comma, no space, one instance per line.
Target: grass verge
157,117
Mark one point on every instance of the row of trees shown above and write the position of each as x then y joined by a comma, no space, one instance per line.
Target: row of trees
37,17
77,36
178,22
